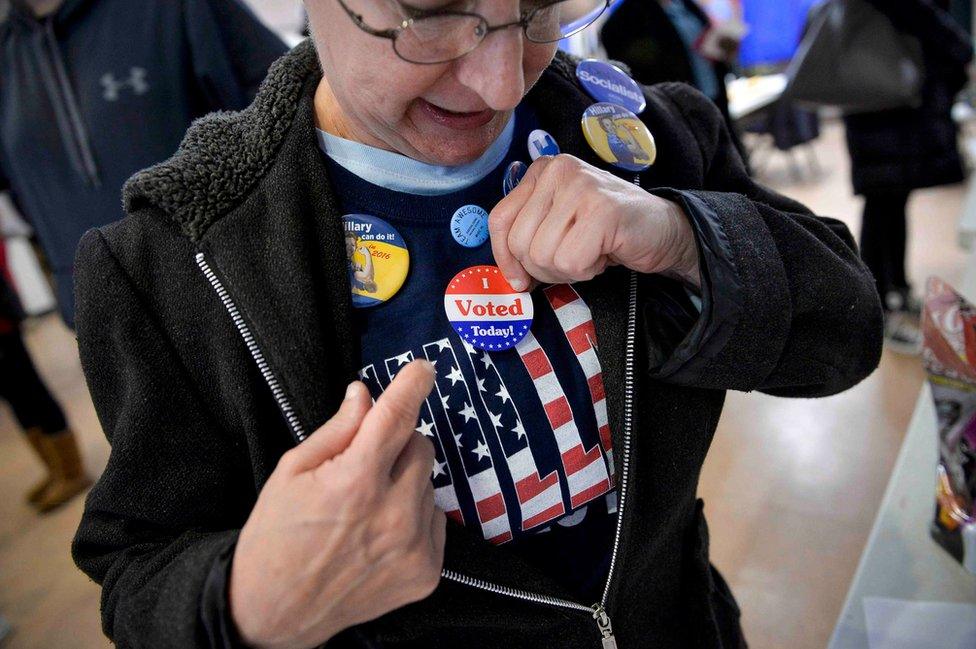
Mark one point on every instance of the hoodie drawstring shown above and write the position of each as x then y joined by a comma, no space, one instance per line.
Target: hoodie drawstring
72,126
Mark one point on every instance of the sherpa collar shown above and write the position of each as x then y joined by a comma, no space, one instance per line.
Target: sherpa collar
224,154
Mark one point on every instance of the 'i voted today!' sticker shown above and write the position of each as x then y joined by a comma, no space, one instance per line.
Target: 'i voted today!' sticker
485,311
606,82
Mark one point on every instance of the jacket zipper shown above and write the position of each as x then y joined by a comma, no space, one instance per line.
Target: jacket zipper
598,611
252,346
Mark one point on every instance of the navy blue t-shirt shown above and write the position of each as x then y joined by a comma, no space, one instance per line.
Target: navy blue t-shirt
521,436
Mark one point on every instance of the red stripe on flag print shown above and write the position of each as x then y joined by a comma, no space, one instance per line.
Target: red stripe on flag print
544,517
446,500
560,295
467,435
491,508
531,486
537,363
534,493
576,321
558,412
585,470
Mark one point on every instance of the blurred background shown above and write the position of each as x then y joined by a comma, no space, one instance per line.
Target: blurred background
820,510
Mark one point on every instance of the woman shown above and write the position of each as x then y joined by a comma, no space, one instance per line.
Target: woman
898,151
35,409
218,326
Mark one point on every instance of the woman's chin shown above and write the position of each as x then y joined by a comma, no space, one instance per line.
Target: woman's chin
454,147
455,157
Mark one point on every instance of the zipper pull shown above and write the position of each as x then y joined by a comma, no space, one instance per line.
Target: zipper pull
603,621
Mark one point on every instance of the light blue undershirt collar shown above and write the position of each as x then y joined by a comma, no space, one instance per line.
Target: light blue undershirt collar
399,173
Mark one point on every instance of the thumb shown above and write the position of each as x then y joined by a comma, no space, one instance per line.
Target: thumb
391,424
334,436
502,220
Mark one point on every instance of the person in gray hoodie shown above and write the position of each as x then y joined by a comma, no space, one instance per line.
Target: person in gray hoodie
92,91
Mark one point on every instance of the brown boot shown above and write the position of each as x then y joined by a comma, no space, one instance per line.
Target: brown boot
36,439
68,473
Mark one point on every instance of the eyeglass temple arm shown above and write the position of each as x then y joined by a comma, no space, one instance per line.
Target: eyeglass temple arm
358,19
524,21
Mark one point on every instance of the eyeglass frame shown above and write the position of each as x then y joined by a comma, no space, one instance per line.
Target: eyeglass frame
523,22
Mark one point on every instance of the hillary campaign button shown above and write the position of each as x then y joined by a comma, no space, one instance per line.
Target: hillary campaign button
469,226
608,83
541,143
619,137
378,259
513,176
485,311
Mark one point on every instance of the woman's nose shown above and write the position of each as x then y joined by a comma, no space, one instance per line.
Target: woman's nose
495,69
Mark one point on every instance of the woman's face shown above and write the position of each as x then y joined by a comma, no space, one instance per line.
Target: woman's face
445,114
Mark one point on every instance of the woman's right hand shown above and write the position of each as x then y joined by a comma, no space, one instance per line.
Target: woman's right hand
345,529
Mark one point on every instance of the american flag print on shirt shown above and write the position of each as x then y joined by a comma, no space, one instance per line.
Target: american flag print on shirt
521,440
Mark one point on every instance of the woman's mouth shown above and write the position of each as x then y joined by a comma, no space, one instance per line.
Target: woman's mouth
454,120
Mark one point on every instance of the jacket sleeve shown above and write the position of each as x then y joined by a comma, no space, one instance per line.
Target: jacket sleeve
167,510
788,306
231,51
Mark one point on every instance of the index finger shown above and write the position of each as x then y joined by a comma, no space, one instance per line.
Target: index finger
501,220
392,421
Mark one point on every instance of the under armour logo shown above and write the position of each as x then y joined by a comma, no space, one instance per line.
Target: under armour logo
113,87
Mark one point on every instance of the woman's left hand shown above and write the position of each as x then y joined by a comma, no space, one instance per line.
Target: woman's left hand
568,221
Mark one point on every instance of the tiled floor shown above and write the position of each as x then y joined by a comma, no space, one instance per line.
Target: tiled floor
791,486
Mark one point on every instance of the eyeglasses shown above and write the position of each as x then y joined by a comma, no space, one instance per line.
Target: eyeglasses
431,36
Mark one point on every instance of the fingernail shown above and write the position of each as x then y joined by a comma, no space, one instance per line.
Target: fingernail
518,284
352,390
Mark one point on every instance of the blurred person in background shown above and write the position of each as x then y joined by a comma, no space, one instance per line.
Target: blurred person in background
35,409
256,494
897,151
92,91
660,40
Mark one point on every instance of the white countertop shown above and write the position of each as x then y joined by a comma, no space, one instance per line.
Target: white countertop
901,560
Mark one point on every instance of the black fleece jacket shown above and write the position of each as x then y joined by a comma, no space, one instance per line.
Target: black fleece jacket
196,428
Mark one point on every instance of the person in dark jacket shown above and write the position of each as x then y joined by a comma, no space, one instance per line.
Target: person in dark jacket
895,152
38,414
658,39
543,494
91,91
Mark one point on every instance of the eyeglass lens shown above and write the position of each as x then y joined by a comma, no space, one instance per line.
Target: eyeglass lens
443,37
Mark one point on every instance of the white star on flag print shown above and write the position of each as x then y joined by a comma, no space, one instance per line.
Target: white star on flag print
444,493
540,499
495,468
475,458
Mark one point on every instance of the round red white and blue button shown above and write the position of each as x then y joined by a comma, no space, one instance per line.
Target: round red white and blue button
485,311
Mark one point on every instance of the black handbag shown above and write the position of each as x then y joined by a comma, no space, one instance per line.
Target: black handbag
852,57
